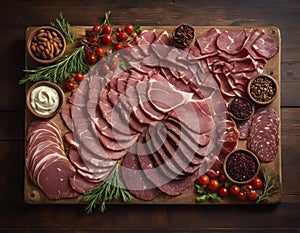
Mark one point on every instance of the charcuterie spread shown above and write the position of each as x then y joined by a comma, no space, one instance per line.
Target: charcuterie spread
154,121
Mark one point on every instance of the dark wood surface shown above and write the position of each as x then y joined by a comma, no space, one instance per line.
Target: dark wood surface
16,216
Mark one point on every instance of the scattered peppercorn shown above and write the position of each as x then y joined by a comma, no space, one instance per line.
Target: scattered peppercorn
263,89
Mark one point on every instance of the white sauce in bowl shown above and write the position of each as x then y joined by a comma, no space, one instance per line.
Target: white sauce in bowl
44,100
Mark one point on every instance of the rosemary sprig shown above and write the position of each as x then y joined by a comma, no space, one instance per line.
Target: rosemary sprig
73,63
65,27
111,189
271,185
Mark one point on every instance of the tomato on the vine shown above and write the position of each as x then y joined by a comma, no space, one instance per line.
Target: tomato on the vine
99,51
92,58
106,39
257,183
122,36
97,28
70,85
93,39
134,35
252,195
213,185
249,187
203,180
118,46
129,29
222,177
234,190
241,196
87,51
106,29
223,191
79,77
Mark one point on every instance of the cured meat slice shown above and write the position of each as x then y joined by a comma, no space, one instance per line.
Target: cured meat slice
135,179
263,138
231,41
80,184
207,41
54,179
243,128
145,104
193,116
164,97
67,118
265,46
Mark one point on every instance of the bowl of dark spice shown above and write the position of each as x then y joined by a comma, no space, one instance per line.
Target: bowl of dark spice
183,35
241,108
262,89
241,166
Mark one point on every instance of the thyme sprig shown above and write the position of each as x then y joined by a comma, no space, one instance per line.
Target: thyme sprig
73,63
271,185
111,189
64,26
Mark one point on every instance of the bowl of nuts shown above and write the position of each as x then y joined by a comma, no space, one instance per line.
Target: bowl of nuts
46,44
262,89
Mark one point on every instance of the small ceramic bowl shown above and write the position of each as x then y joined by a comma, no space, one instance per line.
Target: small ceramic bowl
241,108
46,44
241,166
48,96
183,35
262,89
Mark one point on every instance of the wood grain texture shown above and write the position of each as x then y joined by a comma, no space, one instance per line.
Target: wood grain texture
15,216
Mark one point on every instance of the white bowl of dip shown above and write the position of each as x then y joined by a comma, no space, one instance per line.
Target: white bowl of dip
44,99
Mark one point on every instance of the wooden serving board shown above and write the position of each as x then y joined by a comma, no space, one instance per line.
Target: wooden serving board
33,194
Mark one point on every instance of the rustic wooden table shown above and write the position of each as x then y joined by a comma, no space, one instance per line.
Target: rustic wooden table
16,216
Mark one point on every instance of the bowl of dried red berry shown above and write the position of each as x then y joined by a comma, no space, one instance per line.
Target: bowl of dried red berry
262,89
241,166
241,108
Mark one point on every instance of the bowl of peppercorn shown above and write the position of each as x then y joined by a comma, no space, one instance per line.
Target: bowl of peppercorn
262,89
241,108
241,166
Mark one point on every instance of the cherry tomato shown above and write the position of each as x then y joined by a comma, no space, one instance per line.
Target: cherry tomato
79,77
87,51
257,183
113,65
99,51
105,69
223,192
129,29
106,39
97,28
118,46
213,185
234,190
241,196
122,36
252,195
203,180
118,29
222,177
249,187
70,85
134,35
94,39
92,58
107,29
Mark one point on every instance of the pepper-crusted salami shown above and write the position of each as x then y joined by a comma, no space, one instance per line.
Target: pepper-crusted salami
263,137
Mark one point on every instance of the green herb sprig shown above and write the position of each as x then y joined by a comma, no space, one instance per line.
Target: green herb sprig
73,63
64,26
206,195
270,185
111,189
